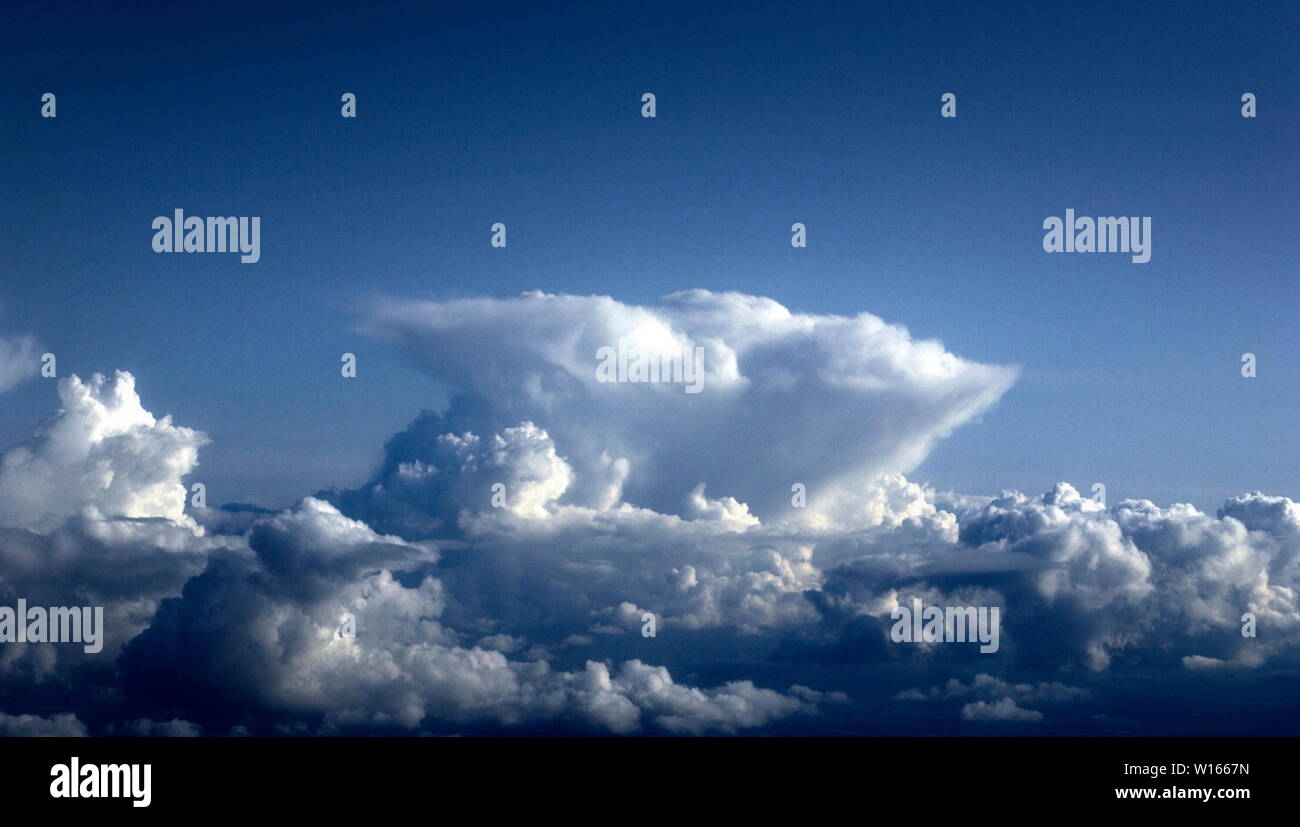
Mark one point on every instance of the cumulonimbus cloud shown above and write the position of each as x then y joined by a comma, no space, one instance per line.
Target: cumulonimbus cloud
827,401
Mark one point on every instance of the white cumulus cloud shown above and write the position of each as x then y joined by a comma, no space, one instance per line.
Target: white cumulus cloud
103,451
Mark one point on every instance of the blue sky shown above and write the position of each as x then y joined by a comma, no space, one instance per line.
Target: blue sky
826,114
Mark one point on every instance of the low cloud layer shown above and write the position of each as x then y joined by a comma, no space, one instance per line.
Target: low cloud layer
644,569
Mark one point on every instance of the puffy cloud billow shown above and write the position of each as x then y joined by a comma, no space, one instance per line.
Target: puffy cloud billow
102,452
505,567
